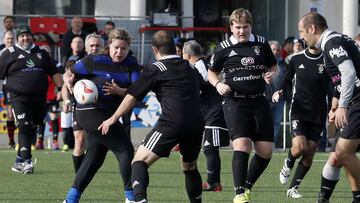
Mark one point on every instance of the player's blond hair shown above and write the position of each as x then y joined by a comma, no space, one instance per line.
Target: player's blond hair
240,15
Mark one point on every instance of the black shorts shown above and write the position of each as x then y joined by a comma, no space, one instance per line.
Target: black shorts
216,137
76,125
32,112
115,140
352,130
337,135
53,106
164,136
249,117
310,130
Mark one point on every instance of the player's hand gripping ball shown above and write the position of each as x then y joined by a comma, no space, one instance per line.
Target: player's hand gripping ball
85,92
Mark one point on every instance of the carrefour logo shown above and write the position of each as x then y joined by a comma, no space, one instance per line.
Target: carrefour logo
247,61
338,52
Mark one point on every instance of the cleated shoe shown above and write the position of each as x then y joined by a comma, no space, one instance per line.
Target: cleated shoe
241,199
247,194
216,187
18,167
56,145
39,144
65,148
11,146
129,196
33,148
294,193
284,174
322,199
28,167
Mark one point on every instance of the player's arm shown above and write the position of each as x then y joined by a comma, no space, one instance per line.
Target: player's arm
271,74
348,73
126,105
215,81
66,99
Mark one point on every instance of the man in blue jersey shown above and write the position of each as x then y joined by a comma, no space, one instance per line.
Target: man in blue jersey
112,74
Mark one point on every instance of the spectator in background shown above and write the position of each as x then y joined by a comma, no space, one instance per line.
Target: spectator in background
287,47
278,81
109,25
9,41
9,25
93,44
52,104
179,47
298,45
73,130
75,31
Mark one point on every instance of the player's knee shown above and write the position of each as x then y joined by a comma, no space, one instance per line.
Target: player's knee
298,149
25,126
210,150
188,166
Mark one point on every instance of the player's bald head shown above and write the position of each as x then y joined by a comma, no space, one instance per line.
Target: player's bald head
314,18
164,42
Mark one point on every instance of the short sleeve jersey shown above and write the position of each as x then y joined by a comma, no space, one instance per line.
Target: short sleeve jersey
307,75
243,64
26,72
177,88
100,69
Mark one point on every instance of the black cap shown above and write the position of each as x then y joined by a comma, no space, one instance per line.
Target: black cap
22,29
289,39
299,41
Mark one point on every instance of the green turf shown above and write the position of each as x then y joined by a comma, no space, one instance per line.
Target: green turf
54,175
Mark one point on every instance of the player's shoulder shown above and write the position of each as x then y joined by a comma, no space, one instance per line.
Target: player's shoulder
258,38
331,39
158,66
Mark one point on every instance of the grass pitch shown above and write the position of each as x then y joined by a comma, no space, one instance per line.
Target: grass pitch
54,175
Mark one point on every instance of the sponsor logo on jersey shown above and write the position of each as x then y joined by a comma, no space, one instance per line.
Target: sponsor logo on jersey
30,63
21,56
302,66
206,143
246,61
246,78
39,55
232,53
21,116
338,52
256,49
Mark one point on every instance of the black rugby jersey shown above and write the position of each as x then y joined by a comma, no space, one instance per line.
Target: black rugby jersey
26,72
243,64
177,88
311,85
337,48
211,107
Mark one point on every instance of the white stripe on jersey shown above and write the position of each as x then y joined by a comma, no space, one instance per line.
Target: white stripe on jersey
153,140
260,39
161,66
227,43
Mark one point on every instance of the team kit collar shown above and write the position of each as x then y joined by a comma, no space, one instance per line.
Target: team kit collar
169,57
27,51
321,42
235,41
